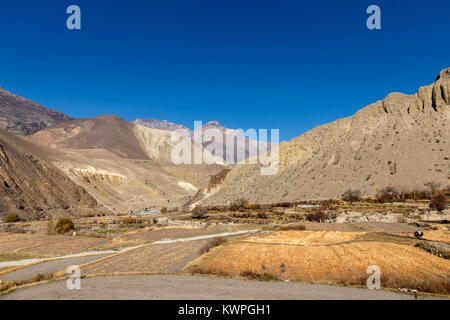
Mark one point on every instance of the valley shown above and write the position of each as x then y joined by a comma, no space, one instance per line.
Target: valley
104,194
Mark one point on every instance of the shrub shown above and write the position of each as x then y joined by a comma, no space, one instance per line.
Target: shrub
262,215
199,213
438,203
212,244
164,210
64,225
388,194
352,195
13,217
294,227
128,220
433,186
318,216
239,204
259,276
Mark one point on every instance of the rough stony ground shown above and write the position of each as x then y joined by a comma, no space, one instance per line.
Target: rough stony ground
169,287
47,267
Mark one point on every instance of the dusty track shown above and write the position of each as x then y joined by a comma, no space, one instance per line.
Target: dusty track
161,287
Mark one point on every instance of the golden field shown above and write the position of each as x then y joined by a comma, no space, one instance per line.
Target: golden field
307,237
316,260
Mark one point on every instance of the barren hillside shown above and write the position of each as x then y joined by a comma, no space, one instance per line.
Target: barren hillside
125,167
31,186
401,141
22,116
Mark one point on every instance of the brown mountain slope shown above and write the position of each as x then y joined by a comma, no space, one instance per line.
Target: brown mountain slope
32,187
103,132
401,141
22,116
125,167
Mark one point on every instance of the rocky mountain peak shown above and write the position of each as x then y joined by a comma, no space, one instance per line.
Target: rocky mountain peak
444,74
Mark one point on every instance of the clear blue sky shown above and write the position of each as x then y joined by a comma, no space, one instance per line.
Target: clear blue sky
281,64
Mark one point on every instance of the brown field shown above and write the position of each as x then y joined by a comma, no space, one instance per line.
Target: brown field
402,266
46,245
306,237
149,259
173,233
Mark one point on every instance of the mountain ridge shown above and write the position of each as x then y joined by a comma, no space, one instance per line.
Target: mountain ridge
24,117
400,141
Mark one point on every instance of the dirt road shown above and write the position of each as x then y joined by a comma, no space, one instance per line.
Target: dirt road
162,287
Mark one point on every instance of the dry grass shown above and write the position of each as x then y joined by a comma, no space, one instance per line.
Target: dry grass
306,237
16,256
6,286
401,266
436,235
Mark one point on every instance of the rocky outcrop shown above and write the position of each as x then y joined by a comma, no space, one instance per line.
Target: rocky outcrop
401,141
24,117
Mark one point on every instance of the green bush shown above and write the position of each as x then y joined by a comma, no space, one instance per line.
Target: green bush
13,217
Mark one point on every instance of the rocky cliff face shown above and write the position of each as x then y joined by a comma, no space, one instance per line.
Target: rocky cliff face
31,186
24,117
401,141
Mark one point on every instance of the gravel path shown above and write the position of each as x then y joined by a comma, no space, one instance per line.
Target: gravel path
168,287
47,267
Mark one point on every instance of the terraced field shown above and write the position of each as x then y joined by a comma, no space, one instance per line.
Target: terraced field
302,256
47,245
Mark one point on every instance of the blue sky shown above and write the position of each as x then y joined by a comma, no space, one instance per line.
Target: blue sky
281,64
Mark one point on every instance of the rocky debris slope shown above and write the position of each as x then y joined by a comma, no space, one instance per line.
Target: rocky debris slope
125,167
401,141
22,116
31,186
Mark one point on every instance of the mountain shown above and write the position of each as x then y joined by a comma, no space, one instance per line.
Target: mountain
158,124
31,186
243,146
400,141
125,167
22,116
241,152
